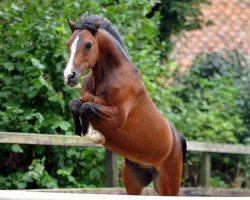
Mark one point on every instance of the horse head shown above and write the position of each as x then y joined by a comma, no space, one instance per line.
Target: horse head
83,51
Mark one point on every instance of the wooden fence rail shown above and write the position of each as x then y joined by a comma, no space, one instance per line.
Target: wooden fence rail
25,195
111,159
77,141
111,193
185,191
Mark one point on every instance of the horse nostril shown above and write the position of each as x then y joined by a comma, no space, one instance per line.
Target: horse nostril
73,75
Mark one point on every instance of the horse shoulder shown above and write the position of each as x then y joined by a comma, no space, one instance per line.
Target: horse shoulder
122,86
123,91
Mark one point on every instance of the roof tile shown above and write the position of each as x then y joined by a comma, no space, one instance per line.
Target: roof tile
230,30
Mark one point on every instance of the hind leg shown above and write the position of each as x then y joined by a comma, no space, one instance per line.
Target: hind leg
169,180
134,177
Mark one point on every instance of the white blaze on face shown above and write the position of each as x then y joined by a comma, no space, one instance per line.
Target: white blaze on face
69,68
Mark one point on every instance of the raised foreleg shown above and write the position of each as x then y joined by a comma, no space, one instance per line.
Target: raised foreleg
89,132
102,117
105,116
85,110
75,105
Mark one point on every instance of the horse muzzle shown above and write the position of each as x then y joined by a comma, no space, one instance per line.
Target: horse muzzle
72,79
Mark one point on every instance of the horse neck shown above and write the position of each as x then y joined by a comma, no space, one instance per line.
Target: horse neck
111,56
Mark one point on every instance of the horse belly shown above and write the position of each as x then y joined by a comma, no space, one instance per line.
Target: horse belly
144,138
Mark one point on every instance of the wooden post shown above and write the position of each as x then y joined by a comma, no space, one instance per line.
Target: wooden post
111,169
205,169
248,171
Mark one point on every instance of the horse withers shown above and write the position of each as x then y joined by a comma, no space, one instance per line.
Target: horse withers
115,102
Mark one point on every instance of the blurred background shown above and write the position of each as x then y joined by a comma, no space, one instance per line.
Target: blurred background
194,59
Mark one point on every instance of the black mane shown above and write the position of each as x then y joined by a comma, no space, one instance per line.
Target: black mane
89,22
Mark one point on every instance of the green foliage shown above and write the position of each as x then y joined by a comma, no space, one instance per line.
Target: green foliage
176,16
33,96
217,182
16,148
207,104
31,69
39,175
36,175
208,98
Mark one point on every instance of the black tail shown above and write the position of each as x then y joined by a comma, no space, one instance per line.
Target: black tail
184,147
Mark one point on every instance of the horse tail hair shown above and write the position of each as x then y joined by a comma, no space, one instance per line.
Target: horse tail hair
184,147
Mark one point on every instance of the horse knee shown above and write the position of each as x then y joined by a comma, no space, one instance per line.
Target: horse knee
85,108
89,108
75,105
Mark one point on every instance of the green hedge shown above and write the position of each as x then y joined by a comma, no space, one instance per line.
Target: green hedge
210,103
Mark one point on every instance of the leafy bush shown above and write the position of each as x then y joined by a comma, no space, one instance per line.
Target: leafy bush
176,16
208,99
207,104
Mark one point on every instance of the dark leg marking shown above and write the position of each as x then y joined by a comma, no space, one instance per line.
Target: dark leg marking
85,110
75,105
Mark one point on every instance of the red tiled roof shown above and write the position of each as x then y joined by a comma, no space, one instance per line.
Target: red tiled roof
230,30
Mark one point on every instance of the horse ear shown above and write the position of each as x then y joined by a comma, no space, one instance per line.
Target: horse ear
98,24
72,25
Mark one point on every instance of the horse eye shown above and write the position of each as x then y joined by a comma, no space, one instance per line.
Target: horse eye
88,45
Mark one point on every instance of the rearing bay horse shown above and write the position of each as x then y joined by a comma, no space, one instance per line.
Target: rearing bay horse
116,103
